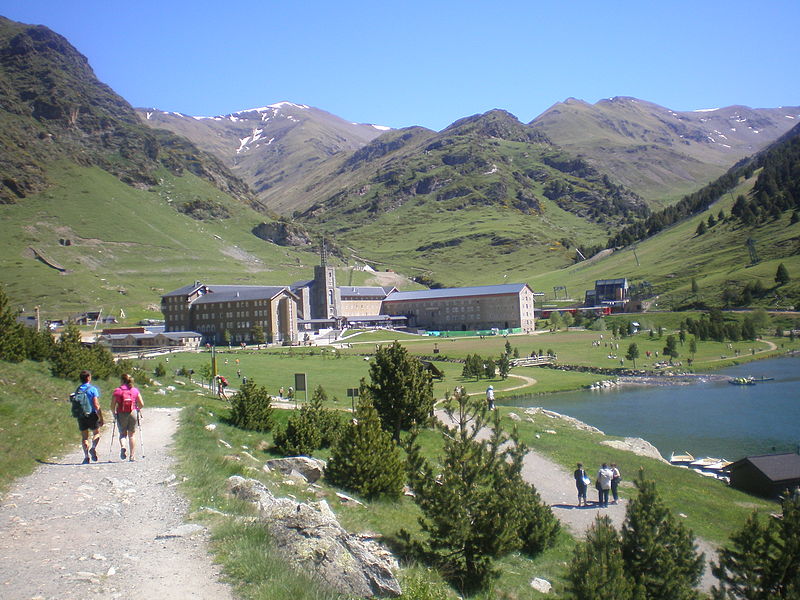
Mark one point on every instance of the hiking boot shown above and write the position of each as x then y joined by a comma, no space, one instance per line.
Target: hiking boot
85,461
122,453
93,454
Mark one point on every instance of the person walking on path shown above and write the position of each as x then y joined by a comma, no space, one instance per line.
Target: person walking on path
490,397
92,421
126,400
615,479
222,383
604,477
581,482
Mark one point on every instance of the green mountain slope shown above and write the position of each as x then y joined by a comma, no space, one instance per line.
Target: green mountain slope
487,191
659,153
100,211
121,247
52,107
710,236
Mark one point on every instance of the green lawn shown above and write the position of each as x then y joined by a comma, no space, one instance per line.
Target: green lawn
29,397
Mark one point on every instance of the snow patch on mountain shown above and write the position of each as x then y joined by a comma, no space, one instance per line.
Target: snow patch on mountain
273,107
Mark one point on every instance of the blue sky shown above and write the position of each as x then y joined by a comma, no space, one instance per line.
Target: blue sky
426,62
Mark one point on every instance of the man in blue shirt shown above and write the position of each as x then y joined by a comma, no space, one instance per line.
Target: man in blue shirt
93,421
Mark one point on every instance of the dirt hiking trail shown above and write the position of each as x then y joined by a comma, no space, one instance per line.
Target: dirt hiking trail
111,529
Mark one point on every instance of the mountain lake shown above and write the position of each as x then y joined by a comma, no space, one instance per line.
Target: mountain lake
705,419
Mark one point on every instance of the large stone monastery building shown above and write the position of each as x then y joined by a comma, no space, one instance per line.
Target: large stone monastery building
287,313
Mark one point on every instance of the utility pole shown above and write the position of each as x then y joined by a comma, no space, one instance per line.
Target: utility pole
38,321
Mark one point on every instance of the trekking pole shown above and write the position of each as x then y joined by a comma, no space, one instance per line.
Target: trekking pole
139,424
113,429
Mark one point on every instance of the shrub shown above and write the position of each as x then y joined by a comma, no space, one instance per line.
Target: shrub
300,436
365,459
311,428
251,407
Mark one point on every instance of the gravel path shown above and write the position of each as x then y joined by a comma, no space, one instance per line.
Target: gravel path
111,529
556,486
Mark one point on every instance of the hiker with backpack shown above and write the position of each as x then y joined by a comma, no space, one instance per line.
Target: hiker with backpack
125,401
222,383
86,408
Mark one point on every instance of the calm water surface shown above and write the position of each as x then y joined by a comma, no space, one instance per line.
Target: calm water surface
705,419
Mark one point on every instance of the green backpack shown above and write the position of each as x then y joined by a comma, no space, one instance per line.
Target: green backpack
81,403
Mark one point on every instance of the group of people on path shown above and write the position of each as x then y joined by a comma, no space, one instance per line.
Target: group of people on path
606,482
125,401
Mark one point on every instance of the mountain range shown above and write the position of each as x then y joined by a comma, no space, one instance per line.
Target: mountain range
245,196
656,152
272,147
660,153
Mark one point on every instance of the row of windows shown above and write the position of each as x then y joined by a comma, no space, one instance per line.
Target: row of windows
239,314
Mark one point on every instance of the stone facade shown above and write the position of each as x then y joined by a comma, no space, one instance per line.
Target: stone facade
507,306
213,310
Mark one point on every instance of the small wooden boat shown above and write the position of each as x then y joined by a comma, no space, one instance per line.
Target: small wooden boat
681,459
742,381
708,465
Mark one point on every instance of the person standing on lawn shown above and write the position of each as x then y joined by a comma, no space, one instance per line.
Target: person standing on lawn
126,401
92,421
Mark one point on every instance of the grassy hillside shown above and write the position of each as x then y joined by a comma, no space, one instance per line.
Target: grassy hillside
486,197
718,259
127,245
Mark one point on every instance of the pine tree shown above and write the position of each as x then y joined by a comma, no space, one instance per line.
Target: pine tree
658,551
300,437
701,228
489,368
38,344
365,459
12,346
251,407
763,560
401,389
68,358
633,353
782,275
671,349
503,365
597,569
309,429
476,507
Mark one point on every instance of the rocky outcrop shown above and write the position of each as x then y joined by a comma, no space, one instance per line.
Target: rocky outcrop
637,446
538,410
311,469
310,537
283,234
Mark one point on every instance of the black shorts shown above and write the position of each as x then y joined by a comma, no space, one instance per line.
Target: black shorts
89,422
